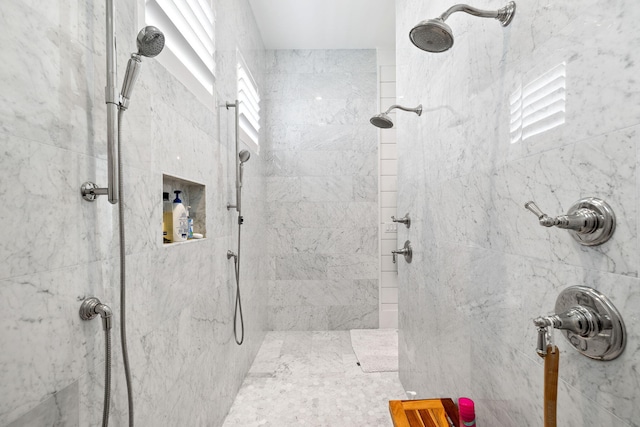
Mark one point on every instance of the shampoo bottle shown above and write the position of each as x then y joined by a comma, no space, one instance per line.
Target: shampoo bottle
467,412
180,225
167,219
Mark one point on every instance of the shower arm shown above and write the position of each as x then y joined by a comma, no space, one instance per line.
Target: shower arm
500,14
417,110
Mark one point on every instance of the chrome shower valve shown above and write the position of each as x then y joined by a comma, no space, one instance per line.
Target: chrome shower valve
589,321
406,251
591,221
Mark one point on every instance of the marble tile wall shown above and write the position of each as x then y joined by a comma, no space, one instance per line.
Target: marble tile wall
58,249
482,266
323,189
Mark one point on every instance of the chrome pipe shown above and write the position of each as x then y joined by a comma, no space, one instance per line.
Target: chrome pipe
235,105
470,10
112,100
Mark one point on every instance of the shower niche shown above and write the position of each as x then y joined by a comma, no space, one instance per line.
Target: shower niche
192,195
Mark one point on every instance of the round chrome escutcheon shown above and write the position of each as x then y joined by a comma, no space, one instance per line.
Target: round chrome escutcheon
610,342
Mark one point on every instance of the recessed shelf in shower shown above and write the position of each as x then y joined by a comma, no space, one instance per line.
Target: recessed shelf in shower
192,196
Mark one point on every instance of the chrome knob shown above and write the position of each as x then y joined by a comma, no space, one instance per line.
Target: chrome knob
406,251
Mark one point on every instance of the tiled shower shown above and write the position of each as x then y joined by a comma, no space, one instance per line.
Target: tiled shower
482,267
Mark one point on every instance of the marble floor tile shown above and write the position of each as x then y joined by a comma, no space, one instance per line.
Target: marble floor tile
312,379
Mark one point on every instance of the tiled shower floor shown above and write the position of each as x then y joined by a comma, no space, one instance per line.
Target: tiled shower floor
311,379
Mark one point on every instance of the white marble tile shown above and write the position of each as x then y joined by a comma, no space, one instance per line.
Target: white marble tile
311,378
318,214
305,266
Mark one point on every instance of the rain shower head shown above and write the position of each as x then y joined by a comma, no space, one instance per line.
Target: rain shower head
150,43
244,156
383,121
433,35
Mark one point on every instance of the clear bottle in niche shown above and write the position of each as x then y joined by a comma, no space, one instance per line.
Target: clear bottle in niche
189,222
180,220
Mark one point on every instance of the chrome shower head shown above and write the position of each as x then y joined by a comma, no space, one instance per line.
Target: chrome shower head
244,156
150,43
433,35
383,121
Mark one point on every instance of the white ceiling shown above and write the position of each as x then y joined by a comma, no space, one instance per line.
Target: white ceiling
326,24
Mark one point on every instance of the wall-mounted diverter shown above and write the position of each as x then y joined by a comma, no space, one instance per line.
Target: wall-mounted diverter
590,221
406,220
406,251
383,120
589,321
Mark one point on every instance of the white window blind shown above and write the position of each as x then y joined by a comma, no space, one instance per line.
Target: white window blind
248,106
539,106
188,26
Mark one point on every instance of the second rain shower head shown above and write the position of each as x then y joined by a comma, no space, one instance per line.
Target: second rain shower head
383,120
244,156
150,41
433,35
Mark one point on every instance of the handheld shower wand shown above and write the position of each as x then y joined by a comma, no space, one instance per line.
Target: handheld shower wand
150,43
243,156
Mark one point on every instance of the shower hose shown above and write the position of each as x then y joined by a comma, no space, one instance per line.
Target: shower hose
107,377
238,306
123,288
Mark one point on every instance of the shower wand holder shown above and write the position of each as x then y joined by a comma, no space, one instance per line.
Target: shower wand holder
590,221
588,320
90,191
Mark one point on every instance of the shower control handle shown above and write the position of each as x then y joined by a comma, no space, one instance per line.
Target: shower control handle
590,221
580,320
406,251
583,220
406,220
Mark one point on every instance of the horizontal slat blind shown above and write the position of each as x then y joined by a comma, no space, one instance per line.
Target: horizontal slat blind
249,104
188,26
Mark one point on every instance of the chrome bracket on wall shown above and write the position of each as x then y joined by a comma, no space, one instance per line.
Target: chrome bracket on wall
590,221
589,321
91,191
